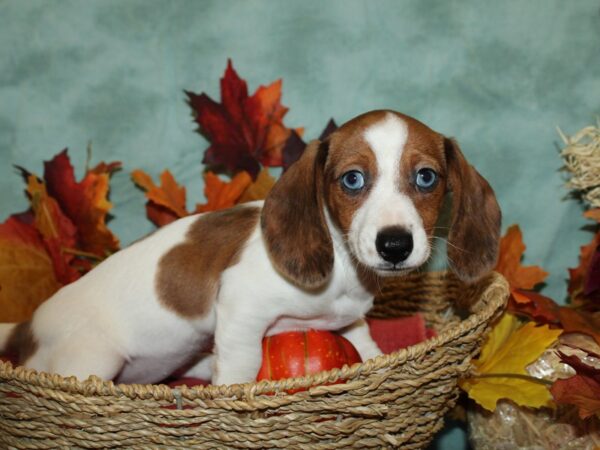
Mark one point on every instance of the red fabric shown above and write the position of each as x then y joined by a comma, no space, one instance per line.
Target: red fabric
400,332
389,334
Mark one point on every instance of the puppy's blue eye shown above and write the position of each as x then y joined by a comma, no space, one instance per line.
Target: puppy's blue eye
353,180
426,179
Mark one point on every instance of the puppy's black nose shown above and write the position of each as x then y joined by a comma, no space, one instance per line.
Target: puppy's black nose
394,244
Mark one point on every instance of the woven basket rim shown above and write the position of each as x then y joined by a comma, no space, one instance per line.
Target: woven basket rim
494,297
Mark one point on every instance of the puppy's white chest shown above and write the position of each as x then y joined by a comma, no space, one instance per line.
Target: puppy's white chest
342,312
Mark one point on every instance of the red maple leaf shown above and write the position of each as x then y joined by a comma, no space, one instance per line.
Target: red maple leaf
85,202
244,131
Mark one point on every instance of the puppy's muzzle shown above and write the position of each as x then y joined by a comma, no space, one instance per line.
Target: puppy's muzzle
394,244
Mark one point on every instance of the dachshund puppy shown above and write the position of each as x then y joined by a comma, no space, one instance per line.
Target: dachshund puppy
358,206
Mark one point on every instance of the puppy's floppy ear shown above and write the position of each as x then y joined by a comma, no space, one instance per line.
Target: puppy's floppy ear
475,229
293,221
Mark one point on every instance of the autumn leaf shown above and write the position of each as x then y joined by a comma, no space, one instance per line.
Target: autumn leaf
85,202
294,147
259,189
509,262
167,202
584,280
574,321
244,131
581,285
581,390
500,370
57,231
221,194
27,276
537,307
522,279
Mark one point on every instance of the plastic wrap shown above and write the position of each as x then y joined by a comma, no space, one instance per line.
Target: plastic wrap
512,427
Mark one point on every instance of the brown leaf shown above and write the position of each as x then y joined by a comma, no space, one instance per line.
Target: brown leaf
574,321
582,389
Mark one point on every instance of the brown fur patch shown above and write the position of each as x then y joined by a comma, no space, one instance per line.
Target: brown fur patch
22,342
347,151
423,149
293,222
476,218
189,275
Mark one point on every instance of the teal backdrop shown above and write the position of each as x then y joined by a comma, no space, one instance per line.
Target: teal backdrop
499,76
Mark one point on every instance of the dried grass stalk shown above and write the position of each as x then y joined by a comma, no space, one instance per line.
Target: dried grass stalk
582,160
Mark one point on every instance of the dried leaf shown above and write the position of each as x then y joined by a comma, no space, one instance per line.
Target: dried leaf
85,203
509,262
294,146
578,276
582,389
244,131
167,202
537,307
259,189
221,194
57,231
26,272
582,342
501,367
574,321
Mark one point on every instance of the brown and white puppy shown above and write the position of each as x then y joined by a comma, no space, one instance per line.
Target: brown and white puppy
360,205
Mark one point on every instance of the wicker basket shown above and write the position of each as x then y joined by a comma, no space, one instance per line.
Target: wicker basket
396,400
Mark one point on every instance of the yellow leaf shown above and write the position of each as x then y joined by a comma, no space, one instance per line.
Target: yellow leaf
500,369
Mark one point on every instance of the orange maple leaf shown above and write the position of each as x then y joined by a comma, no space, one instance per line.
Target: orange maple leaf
509,265
221,194
166,202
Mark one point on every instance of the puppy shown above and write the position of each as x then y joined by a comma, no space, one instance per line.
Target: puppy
358,206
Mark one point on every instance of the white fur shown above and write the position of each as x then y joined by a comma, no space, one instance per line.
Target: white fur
386,205
112,324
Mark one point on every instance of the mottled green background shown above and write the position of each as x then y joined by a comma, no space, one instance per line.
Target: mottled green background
499,76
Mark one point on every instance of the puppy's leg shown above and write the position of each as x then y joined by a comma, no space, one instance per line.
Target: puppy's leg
84,356
358,333
238,345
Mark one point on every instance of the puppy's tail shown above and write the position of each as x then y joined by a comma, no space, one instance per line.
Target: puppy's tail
8,337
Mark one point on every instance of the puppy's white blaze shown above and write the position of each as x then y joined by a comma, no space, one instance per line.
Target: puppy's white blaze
386,205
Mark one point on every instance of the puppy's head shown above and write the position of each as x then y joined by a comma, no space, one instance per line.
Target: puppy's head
382,178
